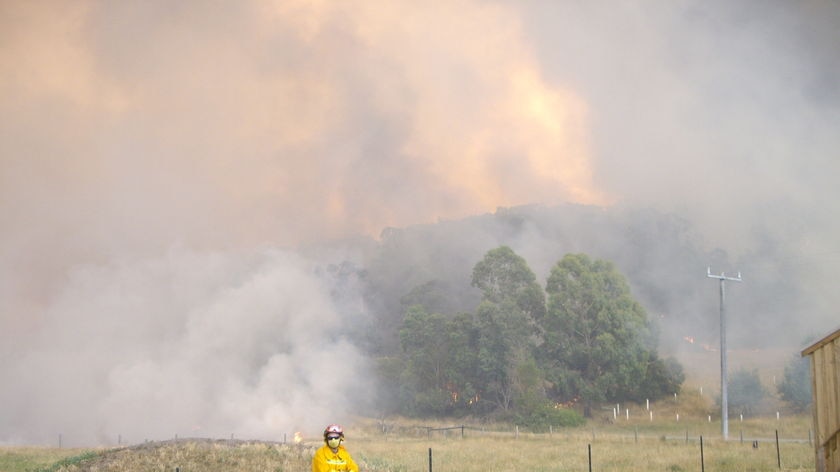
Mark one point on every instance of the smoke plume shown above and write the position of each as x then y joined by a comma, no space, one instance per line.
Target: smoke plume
161,162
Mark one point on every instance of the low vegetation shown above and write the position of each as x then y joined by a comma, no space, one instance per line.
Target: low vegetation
635,444
178,455
20,459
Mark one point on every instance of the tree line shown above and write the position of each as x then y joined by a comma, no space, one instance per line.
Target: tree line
530,353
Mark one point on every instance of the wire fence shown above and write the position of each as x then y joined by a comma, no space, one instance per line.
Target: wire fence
463,431
516,432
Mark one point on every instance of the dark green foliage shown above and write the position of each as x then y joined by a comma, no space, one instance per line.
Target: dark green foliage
795,388
745,391
598,344
440,356
431,296
662,377
518,359
75,462
538,418
505,279
533,409
512,300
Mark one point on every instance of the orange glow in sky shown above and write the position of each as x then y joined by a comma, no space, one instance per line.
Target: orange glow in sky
281,121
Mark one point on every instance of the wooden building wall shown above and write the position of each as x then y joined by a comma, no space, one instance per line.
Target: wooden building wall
825,387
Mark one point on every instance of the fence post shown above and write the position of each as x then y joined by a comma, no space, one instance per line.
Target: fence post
702,460
589,448
778,455
462,431
430,459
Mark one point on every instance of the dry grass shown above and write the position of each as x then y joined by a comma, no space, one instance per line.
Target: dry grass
626,447
629,446
25,458
202,455
571,452
183,455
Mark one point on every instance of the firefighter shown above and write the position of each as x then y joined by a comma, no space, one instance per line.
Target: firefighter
332,456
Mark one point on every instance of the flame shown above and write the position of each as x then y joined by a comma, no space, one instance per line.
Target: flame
298,437
705,346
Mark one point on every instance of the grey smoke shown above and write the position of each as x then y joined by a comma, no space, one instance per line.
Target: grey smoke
160,163
189,344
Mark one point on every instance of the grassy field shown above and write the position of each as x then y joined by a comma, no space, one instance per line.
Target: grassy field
20,459
622,446
572,452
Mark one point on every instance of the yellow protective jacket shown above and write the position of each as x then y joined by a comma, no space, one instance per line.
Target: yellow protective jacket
327,461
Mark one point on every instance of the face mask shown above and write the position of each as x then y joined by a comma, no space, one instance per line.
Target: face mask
333,442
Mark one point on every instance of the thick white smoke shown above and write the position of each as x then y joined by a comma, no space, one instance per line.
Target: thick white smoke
189,344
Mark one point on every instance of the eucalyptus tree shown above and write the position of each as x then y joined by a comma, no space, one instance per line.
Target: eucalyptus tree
597,342
512,300
440,358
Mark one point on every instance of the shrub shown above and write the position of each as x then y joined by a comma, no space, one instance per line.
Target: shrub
541,416
745,391
795,388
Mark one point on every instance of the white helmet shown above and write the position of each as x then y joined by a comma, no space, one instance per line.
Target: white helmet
334,430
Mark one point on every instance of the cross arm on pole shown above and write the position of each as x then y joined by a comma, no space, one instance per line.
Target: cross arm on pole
722,275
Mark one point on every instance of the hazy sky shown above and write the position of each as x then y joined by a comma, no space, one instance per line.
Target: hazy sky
153,153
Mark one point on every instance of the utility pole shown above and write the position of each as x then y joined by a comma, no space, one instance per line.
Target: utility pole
724,378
